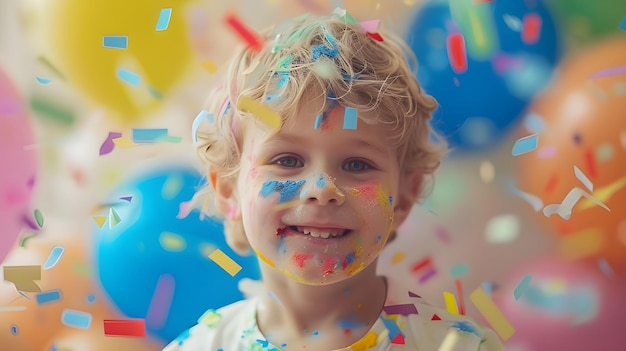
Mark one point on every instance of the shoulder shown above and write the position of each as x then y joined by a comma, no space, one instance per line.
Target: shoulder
217,329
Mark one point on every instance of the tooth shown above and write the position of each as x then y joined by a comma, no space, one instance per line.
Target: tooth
324,235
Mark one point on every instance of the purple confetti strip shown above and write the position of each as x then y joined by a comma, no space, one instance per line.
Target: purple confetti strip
404,309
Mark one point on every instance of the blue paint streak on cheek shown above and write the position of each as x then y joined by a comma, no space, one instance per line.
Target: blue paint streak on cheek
287,189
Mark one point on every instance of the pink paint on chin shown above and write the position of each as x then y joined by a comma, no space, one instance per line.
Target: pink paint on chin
301,258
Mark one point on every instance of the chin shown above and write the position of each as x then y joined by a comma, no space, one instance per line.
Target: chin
314,276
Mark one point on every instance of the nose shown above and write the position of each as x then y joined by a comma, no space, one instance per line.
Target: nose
323,191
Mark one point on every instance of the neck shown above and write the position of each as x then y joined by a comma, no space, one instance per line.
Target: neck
339,313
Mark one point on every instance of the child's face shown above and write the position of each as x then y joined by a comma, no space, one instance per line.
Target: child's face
318,204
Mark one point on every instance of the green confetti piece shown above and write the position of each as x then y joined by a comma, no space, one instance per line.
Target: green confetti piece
172,187
114,218
39,218
51,111
459,270
521,288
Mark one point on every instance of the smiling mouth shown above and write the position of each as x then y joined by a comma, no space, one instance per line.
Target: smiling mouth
323,233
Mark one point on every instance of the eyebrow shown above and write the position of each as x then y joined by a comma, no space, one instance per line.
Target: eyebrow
359,143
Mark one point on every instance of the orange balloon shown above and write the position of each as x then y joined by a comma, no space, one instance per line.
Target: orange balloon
584,115
27,325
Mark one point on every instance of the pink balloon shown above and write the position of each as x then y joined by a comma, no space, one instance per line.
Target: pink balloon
18,165
568,305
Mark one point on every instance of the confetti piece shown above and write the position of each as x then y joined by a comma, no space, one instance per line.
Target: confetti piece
581,244
148,135
23,277
253,39
12,308
54,257
350,118
39,218
583,178
99,220
607,72
459,270
521,288
76,319
450,301
375,36
225,262
459,293
262,112
605,267
398,257
492,314
128,77
427,275
564,209
124,142
404,309
514,23
114,218
209,66
161,302
421,264
535,202
524,145
547,152
455,44
124,327
531,28
43,81
25,239
115,41
172,242
45,297
502,229
201,117
488,287
605,152
108,145
318,121
370,26
622,24
605,193
412,294
487,171
45,108
164,19
15,329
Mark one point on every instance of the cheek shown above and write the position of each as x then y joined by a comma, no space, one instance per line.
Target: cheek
372,198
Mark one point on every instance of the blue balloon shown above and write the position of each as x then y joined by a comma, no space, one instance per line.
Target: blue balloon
154,263
507,63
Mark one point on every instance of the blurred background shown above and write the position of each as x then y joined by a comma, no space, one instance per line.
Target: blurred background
525,225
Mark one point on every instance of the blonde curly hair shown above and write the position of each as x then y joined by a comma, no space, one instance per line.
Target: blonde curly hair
330,55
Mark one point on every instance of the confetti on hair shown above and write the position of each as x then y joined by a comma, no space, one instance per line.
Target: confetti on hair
261,111
524,145
252,38
583,178
455,44
492,314
322,49
605,267
350,118
164,19
115,41
202,116
531,28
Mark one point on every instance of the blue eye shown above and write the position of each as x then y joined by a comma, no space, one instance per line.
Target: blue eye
356,166
289,162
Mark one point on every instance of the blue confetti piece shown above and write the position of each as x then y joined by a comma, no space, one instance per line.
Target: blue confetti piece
466,327
128,77
91,298
48,296
203,115
524,145
76,319
521,288
349,118
622,25
164,19
392,327
43,81
115,41
54,257
15,329
318,121
149,135
534,123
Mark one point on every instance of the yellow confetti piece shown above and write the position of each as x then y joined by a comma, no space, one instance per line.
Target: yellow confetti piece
210,318
172,242
209,66
227,263
365,343
603,194
487,171
23,277
499,323
172,187
99,220
450,301
124,142
581,244
261,111
398,257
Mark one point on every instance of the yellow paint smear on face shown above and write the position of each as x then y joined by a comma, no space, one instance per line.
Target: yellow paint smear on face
265,259
290,275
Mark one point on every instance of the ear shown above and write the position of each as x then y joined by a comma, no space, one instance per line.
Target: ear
410,186
229,206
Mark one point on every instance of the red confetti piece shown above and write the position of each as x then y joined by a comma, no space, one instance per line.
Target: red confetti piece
457,55
421,264
531,28
590,162
399,339
248,35
435,317
459,294
128,327
376,36
552,182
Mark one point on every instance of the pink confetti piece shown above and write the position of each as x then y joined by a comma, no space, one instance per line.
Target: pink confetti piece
547,151
404,309
370,26
427,275
108,145
184,209
443,234
607,72
161,301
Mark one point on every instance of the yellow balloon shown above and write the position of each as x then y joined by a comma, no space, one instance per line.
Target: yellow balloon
123,55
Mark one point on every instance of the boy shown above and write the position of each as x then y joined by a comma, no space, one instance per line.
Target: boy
317,152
